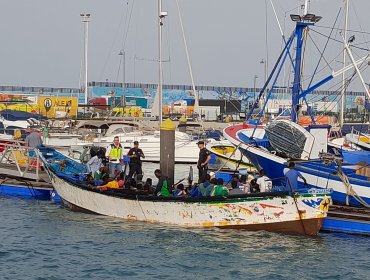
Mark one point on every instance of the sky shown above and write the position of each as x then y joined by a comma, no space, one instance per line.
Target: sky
42,40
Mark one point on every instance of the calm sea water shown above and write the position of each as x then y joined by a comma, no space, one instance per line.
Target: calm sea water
42,240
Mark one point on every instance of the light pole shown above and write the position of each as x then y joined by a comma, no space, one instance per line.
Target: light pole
161,17
85,19
123,57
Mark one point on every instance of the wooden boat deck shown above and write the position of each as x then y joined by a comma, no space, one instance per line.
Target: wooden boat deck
12,171
347,212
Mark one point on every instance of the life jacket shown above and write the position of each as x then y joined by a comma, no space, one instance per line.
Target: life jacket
115,152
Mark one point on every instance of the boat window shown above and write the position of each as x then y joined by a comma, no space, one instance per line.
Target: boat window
117,131
128,129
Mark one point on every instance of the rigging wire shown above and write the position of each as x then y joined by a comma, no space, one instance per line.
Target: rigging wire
266,43
342,29
357,17
111,48
124,38
196,104
338,41
322,53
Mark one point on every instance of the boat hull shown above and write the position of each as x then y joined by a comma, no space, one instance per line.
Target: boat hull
231,157
316,177
271,213
316,174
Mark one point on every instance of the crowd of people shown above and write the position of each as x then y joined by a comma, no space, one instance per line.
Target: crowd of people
111,175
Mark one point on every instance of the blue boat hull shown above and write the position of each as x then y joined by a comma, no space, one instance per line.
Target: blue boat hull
274,169
26,191
332,224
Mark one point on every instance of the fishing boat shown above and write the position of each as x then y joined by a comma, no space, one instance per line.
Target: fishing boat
230,156
362,140
301,213
282,141
21,175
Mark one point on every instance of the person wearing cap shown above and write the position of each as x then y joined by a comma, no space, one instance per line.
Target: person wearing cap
135,154
114,154
204,158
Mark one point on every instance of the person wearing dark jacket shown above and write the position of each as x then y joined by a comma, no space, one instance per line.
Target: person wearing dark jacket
204,158
135,154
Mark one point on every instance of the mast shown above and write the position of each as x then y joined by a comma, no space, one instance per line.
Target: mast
302,22
300,26
85,20
341,117
161,15
305,9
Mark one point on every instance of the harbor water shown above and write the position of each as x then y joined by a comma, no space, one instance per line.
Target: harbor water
43,240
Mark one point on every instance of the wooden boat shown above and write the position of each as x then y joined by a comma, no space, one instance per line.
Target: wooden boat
230,157
301,213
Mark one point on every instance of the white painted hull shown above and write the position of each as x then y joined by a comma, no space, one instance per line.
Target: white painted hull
267,213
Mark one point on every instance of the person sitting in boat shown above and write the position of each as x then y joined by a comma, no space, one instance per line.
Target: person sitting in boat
220,189
243,184
139,181
180,191
235,181
130,184
264,182
235,186
113,184
162,188
94,164
148,186
254,187
114,153
194,190
206,187
291,176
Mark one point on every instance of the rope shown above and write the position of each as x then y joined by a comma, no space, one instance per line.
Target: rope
351,191
223,165
142,210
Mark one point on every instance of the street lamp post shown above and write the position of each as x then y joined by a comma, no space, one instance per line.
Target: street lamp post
85,19
123,56
123,59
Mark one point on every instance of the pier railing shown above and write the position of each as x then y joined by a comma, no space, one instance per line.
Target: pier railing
18,160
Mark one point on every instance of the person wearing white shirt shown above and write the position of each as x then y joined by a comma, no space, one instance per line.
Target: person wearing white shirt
264,182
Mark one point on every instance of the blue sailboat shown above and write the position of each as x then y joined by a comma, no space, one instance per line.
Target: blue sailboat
271,147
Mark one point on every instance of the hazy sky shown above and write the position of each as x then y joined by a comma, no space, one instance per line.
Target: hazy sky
42,40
